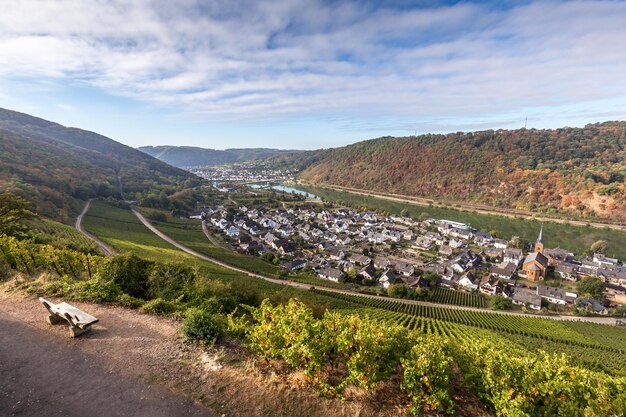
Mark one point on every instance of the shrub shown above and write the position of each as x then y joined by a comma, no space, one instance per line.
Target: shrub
97,291
126,300
159,307
500,302
168,280
157,216
129,272
202,325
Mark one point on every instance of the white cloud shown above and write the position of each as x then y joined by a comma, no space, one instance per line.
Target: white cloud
263,59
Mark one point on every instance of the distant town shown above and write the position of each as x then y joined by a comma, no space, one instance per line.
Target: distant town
364,247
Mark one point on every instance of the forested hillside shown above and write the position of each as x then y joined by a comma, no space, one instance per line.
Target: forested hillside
54,166
189,156
578,171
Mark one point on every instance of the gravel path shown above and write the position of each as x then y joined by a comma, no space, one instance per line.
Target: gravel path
47,374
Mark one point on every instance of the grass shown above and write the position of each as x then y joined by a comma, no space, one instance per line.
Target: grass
577,239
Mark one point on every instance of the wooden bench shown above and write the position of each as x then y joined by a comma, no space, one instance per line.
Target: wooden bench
78,320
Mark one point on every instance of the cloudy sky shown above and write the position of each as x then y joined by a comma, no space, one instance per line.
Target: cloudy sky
310,73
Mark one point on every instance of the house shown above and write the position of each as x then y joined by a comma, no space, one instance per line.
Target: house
369,272
593,305
404,268
232,231
382,263
615,293
490,285
504,270
331,274
556,295
483,239
468,282
513,256
286,249
566,270
387,278
336,254
294,265
603,261
415,282
500,244
526,297
422,242
360,259
558,256
445,250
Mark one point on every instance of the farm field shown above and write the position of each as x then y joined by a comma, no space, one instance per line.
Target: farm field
459,298
574,238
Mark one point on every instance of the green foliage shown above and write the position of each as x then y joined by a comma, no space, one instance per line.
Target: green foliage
599,246
500,302
359,349
158,216
125,300
427,376
517,383
203,325
97,290
160,307
128,271
14,211
591,287
168,280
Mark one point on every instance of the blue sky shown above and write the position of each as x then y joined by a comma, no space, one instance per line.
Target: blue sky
310,74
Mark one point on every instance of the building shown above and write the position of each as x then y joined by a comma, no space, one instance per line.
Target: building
536,264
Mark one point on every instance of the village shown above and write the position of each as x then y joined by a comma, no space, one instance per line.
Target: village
381,252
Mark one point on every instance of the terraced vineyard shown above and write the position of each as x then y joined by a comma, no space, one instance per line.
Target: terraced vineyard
459,298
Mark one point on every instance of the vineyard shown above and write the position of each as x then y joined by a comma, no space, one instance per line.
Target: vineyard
459,298
541,328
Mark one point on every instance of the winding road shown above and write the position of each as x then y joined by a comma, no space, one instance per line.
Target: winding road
142,219
106,249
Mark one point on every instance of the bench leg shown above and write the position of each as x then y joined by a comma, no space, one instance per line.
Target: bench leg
54,319
77,331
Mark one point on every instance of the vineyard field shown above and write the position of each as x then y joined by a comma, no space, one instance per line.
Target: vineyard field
459,298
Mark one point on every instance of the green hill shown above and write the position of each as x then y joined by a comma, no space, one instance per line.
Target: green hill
55,166
189,156
577,171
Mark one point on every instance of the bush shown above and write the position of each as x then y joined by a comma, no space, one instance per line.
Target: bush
97,291
157,216
202,325
168,280
127,301
129,272
500,302
160,307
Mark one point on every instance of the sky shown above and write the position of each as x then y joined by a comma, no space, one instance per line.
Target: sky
308,74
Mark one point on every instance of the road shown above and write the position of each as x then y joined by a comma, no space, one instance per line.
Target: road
44,375
142,219
473,208
106,249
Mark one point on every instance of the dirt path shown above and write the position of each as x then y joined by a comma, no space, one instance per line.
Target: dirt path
104,373
133,364
192,252
106,249
474,208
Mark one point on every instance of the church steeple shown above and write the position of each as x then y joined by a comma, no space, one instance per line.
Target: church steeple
539,242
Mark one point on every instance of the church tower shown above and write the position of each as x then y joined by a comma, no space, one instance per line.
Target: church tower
539,242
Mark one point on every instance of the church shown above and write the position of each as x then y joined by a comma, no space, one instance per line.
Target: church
536,263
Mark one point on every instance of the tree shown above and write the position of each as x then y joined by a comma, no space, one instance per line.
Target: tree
14,210
128,271
599,246
351,273
432,278
500,302
591,287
